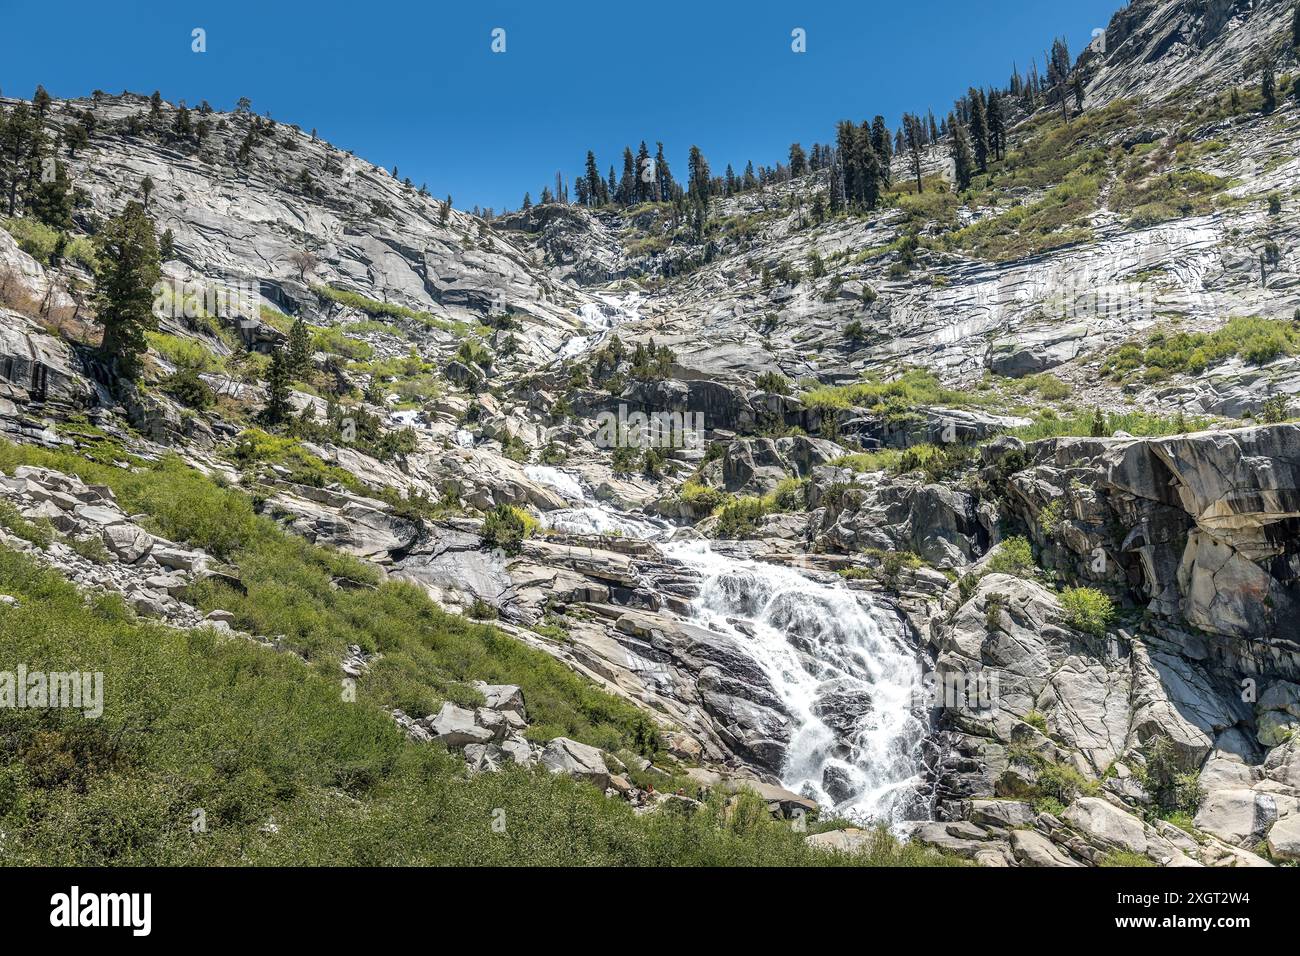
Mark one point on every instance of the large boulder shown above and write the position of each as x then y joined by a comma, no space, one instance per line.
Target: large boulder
456,727
578,760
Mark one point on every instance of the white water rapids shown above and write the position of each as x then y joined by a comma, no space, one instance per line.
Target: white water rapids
840,666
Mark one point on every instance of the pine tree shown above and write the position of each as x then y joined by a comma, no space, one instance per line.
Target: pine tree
627,185
128,269
41,102
644,175
276,409
528,202
1268,86
146,189
663,176
962,159
882,143
1058,73
51,200
593,180
698,183
798,161
979,131
19,142
155,106
997,126
444,210
914,139
299,347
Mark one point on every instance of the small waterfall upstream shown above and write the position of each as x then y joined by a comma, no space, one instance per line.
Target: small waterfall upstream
842,667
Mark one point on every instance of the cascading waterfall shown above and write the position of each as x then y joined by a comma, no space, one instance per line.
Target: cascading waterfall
599,319
589,517
841,667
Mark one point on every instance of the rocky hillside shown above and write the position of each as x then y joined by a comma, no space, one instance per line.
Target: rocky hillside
975,515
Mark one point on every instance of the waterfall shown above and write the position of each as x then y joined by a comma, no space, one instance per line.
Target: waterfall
841,666
843,670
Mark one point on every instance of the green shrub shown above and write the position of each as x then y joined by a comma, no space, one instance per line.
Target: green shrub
1051,515
773,382
1013,556
506,527
701,497
739,517
1087,610
1173,787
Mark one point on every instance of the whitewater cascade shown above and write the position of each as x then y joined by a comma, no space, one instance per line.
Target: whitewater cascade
842,667
599,318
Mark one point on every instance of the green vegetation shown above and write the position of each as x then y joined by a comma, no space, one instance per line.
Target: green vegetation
506,527
44,243
701,497
1174,788
1166,351
373,307
915,388
194,719
740,517
255,447
1013,556
1081,424
1055,785
1087,610
1125,858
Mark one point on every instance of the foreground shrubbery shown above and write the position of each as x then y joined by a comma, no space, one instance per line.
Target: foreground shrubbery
289,587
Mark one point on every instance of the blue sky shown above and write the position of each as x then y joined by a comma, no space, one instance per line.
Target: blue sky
416,84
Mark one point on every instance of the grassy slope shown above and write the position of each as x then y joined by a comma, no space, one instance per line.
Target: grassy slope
194,721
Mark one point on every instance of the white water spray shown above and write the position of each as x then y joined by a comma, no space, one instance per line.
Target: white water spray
841,667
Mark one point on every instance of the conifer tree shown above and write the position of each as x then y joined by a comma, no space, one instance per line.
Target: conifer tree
41,102
979,131
798,161
627,185
997,126
128,269
299,348
643,176
915,142
882,143
963,161
593,180
276,409
1268,86
19,143
663,176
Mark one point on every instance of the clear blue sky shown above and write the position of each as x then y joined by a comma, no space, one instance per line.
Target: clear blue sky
415,83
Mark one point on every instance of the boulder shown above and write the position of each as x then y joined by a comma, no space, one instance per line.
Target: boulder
127,542
455,727
1284,839
562,755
